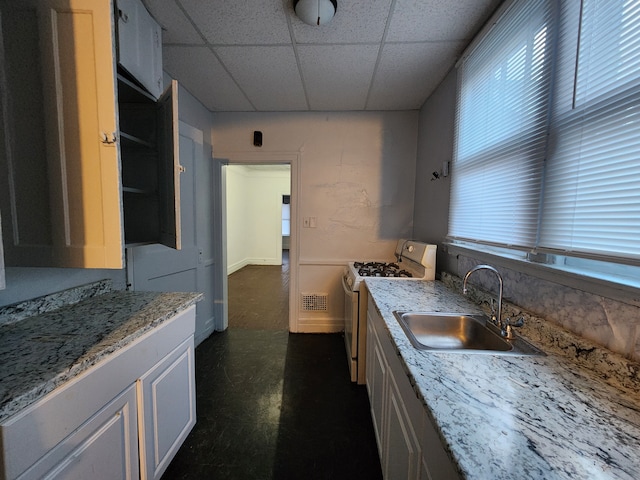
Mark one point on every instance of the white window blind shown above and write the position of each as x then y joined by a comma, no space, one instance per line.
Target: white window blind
592,188
552,164
501,126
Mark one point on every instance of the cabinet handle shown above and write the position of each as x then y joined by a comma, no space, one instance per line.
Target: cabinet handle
104,138
123,15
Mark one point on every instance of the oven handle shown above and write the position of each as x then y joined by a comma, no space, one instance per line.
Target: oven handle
347,289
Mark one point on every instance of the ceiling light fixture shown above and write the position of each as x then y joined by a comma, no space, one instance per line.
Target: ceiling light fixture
315,12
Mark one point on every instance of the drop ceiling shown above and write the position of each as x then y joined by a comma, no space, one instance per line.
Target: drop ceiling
256,55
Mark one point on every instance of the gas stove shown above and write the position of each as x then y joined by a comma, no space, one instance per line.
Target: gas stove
413,260
380,269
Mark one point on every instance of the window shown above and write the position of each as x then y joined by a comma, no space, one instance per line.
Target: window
286,215
503,96
592,189
547,154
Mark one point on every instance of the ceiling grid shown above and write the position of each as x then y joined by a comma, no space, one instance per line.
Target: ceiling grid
257,55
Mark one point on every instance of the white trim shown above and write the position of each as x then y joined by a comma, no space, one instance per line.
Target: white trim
232,158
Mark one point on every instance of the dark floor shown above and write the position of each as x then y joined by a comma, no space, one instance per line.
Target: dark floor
259,296
274,405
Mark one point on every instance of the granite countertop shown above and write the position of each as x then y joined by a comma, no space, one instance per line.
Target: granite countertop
41,351
574,413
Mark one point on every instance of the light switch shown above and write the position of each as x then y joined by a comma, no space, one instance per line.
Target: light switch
305,222
312,222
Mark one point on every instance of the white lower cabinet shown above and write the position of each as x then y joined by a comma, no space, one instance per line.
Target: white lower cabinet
124,418
166,396
106,446
408,444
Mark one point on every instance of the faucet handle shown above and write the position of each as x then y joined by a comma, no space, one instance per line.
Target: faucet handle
508,326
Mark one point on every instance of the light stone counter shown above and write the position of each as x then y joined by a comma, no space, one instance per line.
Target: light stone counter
574,413
40,352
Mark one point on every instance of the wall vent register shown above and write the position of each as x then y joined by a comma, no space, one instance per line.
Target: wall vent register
314,302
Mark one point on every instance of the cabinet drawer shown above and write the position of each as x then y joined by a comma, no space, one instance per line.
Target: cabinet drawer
104,447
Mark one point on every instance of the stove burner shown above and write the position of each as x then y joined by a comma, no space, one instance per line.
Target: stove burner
380,269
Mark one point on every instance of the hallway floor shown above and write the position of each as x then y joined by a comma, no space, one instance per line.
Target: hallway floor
274,405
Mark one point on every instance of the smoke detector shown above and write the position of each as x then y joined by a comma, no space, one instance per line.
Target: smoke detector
315,12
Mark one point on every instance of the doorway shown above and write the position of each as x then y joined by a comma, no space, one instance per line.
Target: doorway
231,260
257,262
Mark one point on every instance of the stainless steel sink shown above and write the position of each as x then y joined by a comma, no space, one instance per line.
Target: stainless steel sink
456,332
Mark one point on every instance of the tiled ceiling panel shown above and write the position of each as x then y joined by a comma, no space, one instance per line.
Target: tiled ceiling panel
246,22
405,74
207,79
268,76
337,76
437,20
256,55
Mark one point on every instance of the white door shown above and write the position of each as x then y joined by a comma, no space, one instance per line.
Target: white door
162,269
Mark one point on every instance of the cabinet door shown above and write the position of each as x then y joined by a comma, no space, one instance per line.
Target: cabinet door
376,385
169,168
168,409
80,121
104,447
140,45
403,450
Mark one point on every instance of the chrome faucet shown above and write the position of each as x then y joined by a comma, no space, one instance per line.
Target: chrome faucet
497,319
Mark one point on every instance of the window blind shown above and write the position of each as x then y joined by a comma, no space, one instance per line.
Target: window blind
501,126
591,203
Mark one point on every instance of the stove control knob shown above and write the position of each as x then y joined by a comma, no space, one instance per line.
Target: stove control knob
410,248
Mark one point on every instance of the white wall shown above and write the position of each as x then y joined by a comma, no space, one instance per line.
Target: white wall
254,214
435,146
356,177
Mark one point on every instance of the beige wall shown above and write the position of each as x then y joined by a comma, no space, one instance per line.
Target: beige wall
254,215
356,177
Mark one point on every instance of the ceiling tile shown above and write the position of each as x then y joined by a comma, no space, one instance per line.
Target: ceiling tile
176,27
337,77
356,21
408,72
438,20
247,22
268,76
200,72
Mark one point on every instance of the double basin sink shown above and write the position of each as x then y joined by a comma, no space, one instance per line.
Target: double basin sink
462,333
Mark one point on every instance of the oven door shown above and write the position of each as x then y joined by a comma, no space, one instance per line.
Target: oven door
351,300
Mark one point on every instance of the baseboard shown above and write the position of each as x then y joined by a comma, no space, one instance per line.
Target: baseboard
320,325
237,266
203,335
251,261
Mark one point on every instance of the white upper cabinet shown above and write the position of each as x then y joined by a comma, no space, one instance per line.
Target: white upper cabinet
81,146
140,45
81,130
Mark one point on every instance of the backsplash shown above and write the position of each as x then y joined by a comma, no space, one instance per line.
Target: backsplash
28,308
607,322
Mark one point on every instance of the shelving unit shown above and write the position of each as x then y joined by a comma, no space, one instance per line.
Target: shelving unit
143,136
